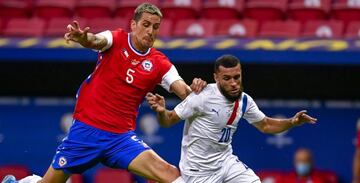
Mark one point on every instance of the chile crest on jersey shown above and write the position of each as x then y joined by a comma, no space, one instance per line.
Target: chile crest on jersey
147,65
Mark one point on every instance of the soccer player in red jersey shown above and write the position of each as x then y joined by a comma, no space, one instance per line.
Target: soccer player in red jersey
108,100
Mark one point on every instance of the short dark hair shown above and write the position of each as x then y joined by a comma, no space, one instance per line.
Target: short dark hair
146,8
226,61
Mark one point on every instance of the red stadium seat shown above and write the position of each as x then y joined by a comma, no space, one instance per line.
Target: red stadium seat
126,8
271,176
265,10
107,175
180,9
194,28
218,9
76,178
15,9
57,26
165,28
94,8
101,24
346,10
24,27
305,10
353,30
48,9
1,26
323,29
280,29
237,28
330,176
19,171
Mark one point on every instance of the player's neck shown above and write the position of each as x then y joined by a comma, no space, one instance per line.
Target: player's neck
134,43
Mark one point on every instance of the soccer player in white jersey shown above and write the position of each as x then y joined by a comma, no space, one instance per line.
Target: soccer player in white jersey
211,120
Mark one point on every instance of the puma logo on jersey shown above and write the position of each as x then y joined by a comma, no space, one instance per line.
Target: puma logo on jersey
217,112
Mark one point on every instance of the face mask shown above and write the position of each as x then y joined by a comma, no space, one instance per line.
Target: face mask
303,169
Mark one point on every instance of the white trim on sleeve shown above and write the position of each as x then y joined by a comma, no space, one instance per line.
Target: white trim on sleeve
171,76
109,37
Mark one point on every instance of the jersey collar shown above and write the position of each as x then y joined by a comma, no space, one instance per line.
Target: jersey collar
135,50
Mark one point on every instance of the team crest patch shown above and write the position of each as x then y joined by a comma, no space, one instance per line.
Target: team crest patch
62,161
147,65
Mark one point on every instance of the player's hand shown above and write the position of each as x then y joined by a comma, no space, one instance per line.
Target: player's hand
301,118
156,102
198,85
76,34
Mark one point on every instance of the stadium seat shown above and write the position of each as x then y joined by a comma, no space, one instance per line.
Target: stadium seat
330,176
94,8
15,9
180,9
24,27
268,176
280,29
194,28
165,28
125,8
101,24
76,178
48,9
305,10
346,10
57,26
265,10
323,29
1,26
237,28
353,30
107,175
19,171
220,10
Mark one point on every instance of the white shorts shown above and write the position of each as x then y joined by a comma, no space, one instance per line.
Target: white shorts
233,171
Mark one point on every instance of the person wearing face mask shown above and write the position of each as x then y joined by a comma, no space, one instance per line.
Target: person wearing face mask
304,169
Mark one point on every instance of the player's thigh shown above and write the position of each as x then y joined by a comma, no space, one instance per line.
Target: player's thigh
150,165
54,176
238,172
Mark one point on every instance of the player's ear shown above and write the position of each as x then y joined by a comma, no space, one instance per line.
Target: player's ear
132,25
216,78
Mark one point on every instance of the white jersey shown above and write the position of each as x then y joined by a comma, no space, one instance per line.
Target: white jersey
208,132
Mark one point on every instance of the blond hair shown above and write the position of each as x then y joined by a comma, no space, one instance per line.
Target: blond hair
146,8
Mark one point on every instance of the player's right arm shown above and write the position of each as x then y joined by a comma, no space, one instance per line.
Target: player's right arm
157,103
84,37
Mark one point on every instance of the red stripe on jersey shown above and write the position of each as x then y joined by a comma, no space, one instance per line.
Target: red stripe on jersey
233,114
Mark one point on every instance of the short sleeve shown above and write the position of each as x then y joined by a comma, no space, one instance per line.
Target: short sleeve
252,112
169,77
189,107
109,37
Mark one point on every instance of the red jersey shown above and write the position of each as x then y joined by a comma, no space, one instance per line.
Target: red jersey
110,97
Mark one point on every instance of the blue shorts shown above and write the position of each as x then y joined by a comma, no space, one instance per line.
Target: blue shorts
86,146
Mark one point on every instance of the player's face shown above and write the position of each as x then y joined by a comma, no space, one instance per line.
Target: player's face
229,82
145,30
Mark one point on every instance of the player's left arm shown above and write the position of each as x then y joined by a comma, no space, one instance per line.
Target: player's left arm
172,82
182,90
277,125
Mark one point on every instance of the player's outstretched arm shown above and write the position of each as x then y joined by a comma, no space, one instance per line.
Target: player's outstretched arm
84,37
157,103
276,125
